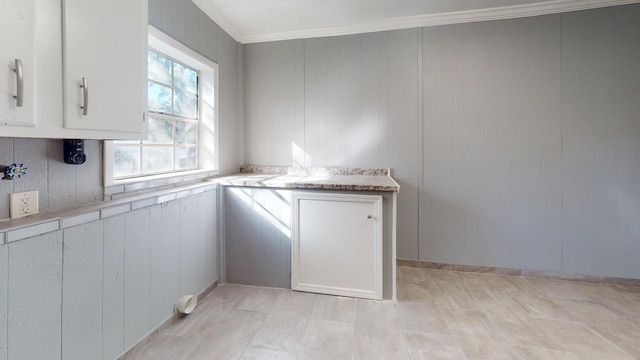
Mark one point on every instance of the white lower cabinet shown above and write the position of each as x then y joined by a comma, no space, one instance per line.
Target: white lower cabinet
337,244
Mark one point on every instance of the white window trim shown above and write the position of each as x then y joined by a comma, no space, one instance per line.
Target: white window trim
208,88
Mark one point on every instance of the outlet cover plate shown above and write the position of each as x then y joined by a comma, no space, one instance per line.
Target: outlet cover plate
23,204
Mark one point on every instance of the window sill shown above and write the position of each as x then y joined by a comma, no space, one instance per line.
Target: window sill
128,187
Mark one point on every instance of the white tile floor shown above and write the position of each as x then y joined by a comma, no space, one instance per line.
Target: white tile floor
440,314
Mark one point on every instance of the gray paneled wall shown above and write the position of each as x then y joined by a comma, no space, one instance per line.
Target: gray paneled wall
601,142
342,101
94,290
515,142
258,236
60,186
491,192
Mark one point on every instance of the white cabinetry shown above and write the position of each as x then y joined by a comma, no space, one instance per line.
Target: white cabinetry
17,73
62,42
337,244
105,49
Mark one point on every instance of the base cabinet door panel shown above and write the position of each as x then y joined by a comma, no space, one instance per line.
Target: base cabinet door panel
337,244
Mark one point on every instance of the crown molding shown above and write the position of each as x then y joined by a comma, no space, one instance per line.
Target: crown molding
498,13
215,15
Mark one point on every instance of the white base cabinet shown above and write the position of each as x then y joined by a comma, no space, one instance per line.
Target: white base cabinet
337,244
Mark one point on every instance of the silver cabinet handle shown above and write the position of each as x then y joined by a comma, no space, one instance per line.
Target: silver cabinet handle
19,83
85,96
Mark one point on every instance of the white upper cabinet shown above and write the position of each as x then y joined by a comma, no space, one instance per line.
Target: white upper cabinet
104,51
17,74
61,42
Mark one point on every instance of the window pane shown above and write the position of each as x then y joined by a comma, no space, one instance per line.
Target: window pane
160,131
186,157
159,68
126,160
186,132
157,159
185,104
159,98
185,78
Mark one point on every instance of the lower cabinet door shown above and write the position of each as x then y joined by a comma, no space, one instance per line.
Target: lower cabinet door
337,244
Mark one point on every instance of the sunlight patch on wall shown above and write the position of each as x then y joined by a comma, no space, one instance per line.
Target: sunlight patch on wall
300,158
272,206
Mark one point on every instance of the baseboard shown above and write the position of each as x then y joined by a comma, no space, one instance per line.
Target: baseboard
534,274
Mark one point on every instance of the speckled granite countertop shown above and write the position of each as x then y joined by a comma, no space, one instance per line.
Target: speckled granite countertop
358,179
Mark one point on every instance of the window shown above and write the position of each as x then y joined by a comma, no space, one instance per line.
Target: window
181,117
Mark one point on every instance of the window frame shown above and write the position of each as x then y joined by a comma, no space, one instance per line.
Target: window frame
208,111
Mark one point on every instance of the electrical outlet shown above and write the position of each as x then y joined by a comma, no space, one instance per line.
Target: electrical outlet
23,204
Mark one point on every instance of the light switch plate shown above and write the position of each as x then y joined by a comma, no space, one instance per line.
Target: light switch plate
23,204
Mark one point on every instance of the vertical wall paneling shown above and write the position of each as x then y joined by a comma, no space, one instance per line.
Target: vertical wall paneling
589,138
402,133
442,71
6,157
374,82
88,186
544,191
4,280
165,260
208,254
35,297
61,176
360,109
348,102
407,219
315,98
227,53
239,125
113,287
271,248
188,246
626,246
511,139
172,18
599,78
258,236
136,276
33,153
210,39
82,291
403,103
196,28
60,186
491,141
238,251
274,83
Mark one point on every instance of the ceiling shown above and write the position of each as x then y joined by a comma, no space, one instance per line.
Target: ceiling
250,21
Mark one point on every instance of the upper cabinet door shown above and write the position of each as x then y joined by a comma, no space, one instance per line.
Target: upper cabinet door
17,80
105,71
